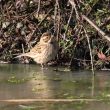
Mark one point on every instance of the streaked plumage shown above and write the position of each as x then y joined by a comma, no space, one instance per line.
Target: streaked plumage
45,50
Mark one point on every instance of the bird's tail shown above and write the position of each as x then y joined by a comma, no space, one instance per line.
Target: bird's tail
24,54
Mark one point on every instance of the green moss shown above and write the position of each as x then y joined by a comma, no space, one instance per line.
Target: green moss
15,80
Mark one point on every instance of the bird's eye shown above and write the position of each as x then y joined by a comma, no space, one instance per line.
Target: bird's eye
46,38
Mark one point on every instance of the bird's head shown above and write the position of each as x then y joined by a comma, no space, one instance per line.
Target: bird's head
47,38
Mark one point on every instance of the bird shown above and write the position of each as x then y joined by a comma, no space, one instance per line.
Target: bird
44,51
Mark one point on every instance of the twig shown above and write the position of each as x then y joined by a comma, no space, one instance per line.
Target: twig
69,20
83,60
41,22
107,21
51,100
90,51
89,11
39,3
57,19
78,18
23,48
96,27
55,14
72,2
45,17
72,55
58,23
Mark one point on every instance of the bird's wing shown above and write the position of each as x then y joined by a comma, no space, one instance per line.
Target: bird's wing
35,51
38,48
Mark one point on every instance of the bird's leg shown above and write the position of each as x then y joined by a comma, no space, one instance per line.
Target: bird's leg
42,66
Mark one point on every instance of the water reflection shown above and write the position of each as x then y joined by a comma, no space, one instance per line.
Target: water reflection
30,82
23,81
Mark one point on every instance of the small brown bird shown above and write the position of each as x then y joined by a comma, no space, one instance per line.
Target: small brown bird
45,50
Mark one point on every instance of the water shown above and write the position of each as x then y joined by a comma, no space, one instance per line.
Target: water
28,87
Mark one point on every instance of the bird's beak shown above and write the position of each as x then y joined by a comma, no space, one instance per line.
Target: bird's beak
52,39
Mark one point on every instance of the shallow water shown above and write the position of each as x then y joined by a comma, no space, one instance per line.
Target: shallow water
80,89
